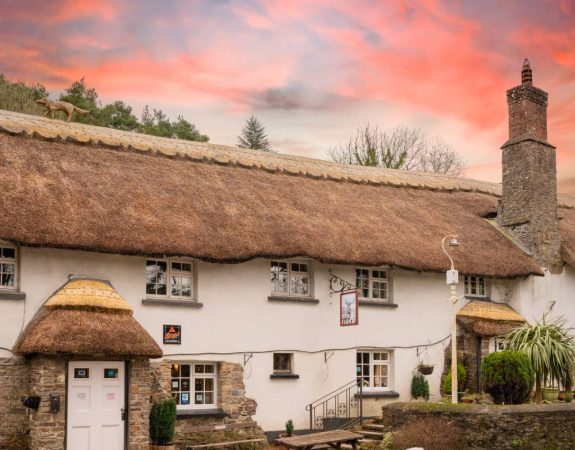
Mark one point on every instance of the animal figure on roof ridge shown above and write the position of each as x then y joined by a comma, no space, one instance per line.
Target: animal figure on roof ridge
58,105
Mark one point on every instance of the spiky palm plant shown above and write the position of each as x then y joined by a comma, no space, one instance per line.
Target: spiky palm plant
550,349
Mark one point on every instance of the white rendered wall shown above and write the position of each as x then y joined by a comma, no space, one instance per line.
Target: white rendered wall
238,318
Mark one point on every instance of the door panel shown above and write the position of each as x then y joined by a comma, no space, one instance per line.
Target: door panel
96,397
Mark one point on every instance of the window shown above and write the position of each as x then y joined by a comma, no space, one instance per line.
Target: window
170,278
194,385
374,369
475,286
8,266
290,278
283,363
372,284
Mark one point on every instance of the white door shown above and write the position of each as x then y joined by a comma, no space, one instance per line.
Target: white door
95,405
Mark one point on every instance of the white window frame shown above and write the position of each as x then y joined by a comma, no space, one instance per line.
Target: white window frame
371,280
479,279
169,274
15,261
193,376
369,386
291,363
289,263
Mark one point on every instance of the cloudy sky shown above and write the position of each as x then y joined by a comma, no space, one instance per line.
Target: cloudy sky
311,71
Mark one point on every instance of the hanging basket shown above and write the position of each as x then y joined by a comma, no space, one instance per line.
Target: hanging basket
426,369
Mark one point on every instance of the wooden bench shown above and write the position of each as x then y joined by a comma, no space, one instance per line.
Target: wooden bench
228,444
333,439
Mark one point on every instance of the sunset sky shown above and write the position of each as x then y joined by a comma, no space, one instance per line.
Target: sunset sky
311,71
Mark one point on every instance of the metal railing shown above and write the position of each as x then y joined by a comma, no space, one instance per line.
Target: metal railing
345,402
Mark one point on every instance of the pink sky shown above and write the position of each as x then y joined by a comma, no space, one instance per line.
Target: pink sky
311,71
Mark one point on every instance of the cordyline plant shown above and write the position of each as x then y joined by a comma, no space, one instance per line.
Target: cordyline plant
550,349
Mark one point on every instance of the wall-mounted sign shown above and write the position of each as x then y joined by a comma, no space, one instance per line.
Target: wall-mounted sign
348,309
82,373
172,334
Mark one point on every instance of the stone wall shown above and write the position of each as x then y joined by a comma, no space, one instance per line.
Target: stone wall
48,376
14,417
139,405
493,427
232,421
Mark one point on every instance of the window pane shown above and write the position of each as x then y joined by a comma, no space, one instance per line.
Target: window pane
209,368
282,362
156,277
362,282
7,275
199,368
8,252
299,284
209,398
185,368
279,277
175,370
181,286
209,384
199,384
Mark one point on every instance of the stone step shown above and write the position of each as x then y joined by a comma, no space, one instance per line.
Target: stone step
372,434
361,442
373,426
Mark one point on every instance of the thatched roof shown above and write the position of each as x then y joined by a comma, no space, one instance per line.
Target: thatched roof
81,187
86,317
488,318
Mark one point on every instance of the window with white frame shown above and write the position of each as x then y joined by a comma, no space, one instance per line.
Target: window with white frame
283,363
8,266
170,278
194,385
373,284
475,286
373,369
291,277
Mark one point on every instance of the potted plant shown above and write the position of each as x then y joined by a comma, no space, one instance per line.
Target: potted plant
163,424
289,428
425,369
551,350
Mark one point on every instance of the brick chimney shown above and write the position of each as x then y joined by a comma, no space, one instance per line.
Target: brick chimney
529,200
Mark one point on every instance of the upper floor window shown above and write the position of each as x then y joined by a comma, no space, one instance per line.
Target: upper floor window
475,286
290,277
373,284
170,278
8,266
283,363
373,368
194,385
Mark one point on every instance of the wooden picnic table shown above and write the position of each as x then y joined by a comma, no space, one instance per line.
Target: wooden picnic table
332,438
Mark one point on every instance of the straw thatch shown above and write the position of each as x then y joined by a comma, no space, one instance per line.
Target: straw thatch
87,317
229,205
487,319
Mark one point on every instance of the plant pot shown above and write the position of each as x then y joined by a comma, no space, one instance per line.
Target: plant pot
425,369
550,394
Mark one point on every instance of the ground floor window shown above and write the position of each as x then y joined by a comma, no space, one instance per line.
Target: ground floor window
373,368
194,385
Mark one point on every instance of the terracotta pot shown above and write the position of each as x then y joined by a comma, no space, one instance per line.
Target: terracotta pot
163,447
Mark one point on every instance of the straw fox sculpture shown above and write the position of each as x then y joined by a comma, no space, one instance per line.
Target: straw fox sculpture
61,106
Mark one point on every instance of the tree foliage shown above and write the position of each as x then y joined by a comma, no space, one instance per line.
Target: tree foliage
507,376
118,115
550,349
461,377
254,136
162,421
399,148
419,387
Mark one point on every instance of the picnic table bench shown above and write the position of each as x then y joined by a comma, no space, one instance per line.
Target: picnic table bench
332,438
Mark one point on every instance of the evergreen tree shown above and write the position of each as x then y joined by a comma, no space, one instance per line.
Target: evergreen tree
253,136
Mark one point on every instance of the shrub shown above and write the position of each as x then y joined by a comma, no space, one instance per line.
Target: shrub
430,434
507,376
419,387
163,421
289,428
461,377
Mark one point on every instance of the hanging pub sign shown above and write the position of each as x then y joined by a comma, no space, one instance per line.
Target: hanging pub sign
172,334
348,309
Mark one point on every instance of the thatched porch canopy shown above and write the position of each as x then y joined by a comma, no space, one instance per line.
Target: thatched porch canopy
87,317
75,186
487,318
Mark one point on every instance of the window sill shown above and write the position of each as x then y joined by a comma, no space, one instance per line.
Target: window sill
378,394
168,302
191,413
478,297
280,298
377,303
284,376
12,295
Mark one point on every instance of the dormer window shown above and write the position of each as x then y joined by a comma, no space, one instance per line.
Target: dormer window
8,267
475,286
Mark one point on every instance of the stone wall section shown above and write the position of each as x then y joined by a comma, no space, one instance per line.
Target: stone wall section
517,427
14,382
234,420
139,404
48,376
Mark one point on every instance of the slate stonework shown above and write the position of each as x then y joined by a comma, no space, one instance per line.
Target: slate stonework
493,427
139,405
14,381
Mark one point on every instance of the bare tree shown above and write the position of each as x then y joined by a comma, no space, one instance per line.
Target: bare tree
400,148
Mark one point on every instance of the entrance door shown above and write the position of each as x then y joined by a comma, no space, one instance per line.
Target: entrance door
96,392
